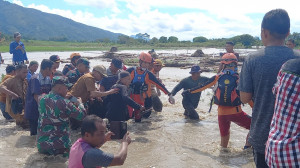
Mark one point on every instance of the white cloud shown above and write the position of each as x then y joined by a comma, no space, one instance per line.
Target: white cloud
212,19
18,2
94,3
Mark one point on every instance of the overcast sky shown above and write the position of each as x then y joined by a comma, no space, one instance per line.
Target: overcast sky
184,19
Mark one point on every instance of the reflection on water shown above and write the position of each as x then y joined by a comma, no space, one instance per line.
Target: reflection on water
166,139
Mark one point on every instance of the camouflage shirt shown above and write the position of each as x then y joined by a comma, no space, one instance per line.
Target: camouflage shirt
67,68
73,76
53,124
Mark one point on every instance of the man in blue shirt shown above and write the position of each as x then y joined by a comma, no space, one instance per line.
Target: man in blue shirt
38,84
17,49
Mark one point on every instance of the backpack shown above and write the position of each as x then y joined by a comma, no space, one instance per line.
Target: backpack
138,85
226,93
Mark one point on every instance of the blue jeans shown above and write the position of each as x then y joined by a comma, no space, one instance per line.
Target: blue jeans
5,114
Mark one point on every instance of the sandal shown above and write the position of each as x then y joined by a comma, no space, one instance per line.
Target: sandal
246,147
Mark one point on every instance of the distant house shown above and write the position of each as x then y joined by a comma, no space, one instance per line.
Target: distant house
144,36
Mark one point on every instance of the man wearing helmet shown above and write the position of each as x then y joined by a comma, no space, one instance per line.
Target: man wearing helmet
141,82
74,58
227,98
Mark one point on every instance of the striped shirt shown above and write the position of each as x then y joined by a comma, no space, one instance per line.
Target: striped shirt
283,144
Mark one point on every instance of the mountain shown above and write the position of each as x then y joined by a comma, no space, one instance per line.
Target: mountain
38,25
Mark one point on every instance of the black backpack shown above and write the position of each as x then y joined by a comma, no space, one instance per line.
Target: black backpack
226,93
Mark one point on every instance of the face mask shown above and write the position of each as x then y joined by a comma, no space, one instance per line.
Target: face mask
144,69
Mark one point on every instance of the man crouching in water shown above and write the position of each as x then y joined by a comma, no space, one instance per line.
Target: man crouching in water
85,153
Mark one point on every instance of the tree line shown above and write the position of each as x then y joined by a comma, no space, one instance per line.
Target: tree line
240,41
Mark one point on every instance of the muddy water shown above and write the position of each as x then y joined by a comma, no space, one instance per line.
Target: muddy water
166,139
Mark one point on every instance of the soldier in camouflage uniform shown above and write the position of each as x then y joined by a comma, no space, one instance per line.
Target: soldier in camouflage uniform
53,124
82,67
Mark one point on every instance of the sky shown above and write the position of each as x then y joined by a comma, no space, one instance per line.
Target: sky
184,19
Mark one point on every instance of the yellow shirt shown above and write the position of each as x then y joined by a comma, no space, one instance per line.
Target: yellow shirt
83,87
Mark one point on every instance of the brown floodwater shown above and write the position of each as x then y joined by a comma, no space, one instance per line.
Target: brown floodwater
166,139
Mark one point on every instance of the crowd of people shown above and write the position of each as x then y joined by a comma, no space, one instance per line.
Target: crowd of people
51,102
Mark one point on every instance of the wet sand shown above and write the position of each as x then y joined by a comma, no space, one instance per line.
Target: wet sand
166,139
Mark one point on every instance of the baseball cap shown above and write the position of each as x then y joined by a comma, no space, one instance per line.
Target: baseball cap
10,68
195,68
158,62
60,80
74,55
230,42
55,58
101,69
117,63
84,61
17,34
123,74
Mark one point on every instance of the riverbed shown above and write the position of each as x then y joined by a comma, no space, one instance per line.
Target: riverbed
166,139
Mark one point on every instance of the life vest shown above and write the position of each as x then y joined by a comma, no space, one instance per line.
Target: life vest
138,85
76,153
226,93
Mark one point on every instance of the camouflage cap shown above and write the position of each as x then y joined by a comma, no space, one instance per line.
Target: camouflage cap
84,61
60,80
33,63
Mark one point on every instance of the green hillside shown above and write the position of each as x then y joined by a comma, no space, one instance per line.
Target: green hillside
38,25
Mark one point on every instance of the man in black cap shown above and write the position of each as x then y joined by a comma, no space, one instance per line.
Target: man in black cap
190,101
17,48
56,62
112,74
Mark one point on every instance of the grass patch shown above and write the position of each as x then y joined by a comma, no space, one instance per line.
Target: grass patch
37,45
